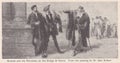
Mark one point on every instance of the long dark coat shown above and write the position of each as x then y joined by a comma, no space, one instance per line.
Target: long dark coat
85,19
71,25
39,31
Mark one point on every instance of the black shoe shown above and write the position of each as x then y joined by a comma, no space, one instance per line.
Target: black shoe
44,55
75,53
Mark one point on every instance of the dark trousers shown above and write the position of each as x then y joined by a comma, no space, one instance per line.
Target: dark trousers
41,43
70,35
84,38
73,38
79,45
55,41
36,44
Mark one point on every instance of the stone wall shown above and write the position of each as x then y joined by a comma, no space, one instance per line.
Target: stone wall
13,15
16,39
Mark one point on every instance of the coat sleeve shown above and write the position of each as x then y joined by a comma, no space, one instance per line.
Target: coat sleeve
76,23
40,17
60,23
87,20
29,18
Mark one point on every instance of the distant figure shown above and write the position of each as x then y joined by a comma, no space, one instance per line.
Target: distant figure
114,30
92,27
108,28
98,26
103,23
53,19
39,31
83,24
104,27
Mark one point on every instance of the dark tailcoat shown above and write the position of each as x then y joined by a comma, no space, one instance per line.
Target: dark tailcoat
71,25
83,31
85,20
52,21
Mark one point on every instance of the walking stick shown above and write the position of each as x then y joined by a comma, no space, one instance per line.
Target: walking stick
89,43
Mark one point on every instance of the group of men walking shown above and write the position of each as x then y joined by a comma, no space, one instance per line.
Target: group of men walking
44,26
102,28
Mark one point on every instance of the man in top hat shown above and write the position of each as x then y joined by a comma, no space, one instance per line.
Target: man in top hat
83,22
39,31
52,22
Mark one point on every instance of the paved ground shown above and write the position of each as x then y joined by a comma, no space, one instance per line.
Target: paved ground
105,48
17,44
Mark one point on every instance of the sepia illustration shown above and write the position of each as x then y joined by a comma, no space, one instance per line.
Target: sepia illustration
34,30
